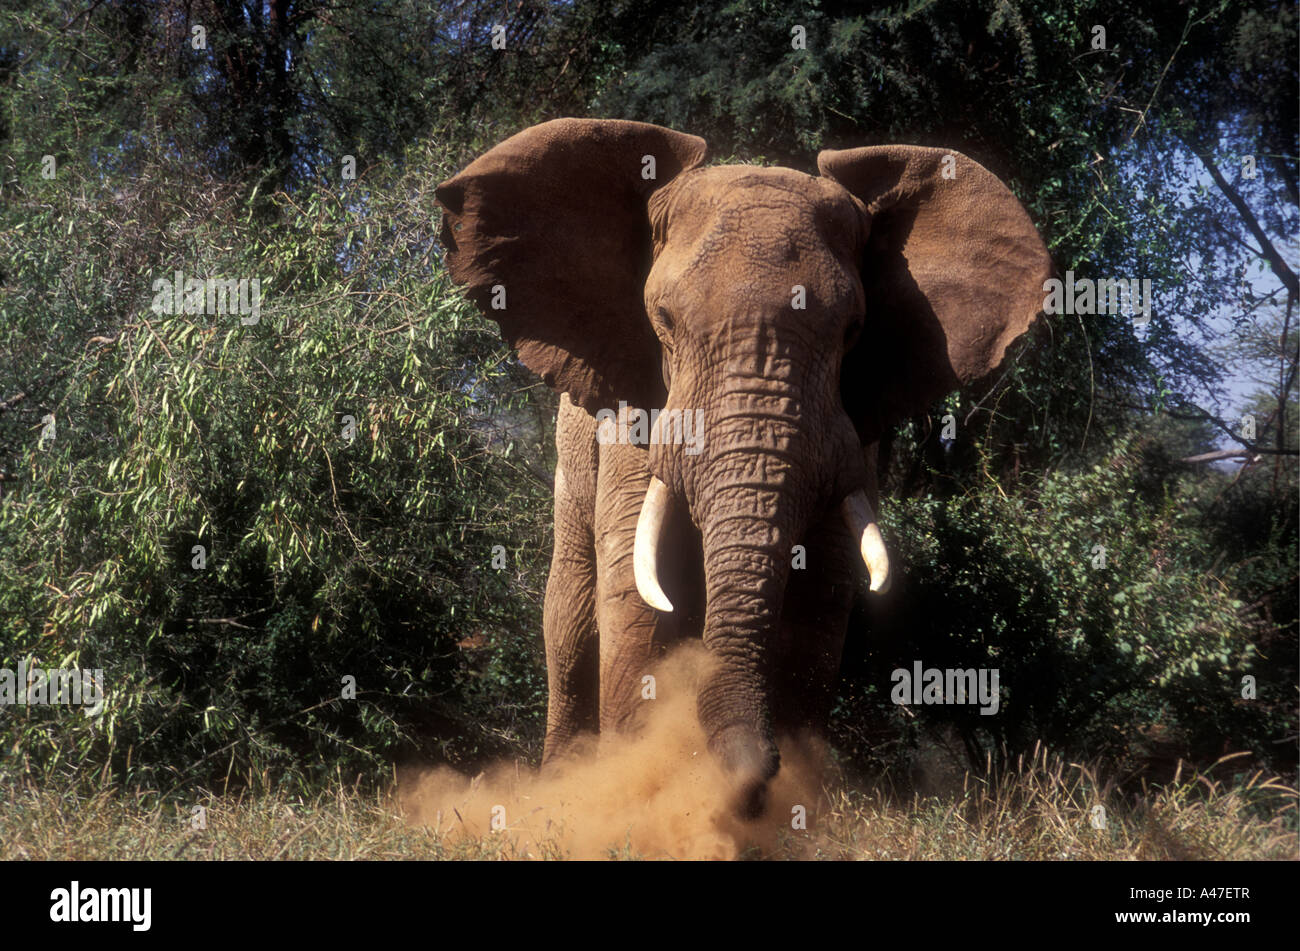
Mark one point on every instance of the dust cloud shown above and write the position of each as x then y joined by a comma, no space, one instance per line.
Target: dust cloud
654,792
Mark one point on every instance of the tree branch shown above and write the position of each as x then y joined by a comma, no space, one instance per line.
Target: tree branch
1201,416
1280,267
1222,454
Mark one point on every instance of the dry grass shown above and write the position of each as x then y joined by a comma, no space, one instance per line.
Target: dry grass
1047,809
1043,808
341,824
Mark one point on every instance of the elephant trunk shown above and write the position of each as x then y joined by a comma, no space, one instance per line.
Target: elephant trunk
752,503
764,473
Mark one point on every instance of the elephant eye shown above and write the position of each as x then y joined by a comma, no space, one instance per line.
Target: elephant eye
851,333
665,318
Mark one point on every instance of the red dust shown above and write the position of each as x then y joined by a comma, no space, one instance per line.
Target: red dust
654,792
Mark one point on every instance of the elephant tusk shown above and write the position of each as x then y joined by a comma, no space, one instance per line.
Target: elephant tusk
649,532
871,544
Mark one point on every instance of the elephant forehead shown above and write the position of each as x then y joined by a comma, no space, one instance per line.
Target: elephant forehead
767,216
710,192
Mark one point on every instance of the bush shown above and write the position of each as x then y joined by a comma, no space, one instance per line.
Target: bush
1139,653
325,558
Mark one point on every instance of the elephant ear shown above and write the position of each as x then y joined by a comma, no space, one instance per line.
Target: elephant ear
550,233
953,271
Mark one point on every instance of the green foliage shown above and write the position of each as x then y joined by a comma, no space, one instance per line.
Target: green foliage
1101,597
325,558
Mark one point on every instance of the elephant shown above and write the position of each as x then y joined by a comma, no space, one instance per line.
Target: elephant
796,318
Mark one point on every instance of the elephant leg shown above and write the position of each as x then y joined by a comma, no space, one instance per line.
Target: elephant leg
569,620
569,625
632,634
814,619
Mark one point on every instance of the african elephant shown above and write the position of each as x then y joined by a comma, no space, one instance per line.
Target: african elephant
797,318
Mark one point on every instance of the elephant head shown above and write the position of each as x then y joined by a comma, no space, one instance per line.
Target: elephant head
801,315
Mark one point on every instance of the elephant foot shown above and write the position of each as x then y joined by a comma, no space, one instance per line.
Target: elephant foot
562,751
749,761
750,801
